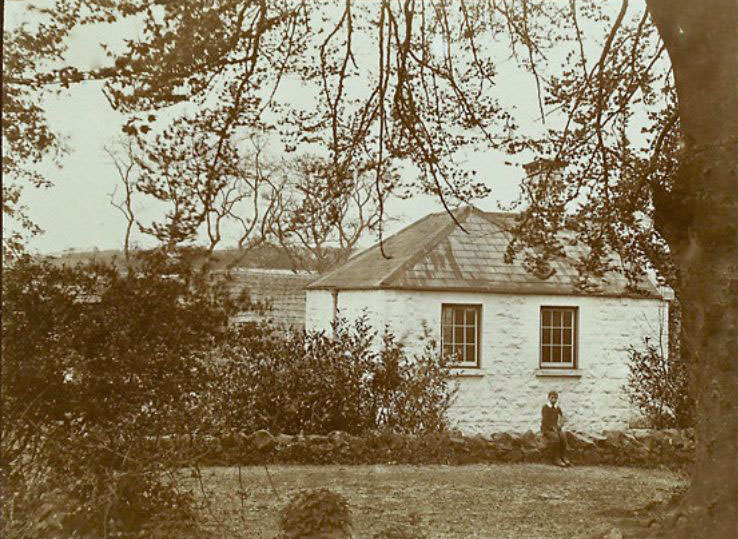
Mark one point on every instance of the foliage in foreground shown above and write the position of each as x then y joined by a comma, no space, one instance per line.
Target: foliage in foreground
658,386
317,382
101,367
93,360
658,382
316,513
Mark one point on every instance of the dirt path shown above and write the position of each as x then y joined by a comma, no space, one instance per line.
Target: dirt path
490,501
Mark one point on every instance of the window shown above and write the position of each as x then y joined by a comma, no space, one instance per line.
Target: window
559,337
460,333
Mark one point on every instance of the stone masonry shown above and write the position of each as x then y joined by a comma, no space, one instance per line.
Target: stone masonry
508,389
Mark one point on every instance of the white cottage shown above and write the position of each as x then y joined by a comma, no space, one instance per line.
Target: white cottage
518,336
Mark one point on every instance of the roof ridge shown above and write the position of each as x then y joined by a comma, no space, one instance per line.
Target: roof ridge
370,248
429,245
473,262
500,213
490,217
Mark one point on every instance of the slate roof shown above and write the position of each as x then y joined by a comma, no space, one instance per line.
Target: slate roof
434,254
282,290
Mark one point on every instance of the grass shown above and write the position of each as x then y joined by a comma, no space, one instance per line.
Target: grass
492,501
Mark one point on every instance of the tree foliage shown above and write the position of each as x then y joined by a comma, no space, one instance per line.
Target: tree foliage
316,221
609,147
94,363
371,109
27,138
387,85
101,366
636,160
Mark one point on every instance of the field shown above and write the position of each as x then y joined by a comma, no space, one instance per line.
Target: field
493,501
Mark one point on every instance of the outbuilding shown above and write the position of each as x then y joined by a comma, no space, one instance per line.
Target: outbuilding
516,336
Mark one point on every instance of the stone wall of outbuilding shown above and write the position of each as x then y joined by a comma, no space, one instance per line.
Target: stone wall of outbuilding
507,390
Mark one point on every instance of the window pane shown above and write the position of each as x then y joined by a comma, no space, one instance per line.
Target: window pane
558,328
460,332
447,335
567,336
470,334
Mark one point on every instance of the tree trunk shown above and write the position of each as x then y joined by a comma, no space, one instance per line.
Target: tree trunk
699,219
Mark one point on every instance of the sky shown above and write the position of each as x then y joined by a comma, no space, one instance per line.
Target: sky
76,212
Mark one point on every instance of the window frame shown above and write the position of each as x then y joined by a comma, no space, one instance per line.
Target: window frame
477,334
574,364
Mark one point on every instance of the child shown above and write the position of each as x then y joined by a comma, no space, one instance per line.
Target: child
551,420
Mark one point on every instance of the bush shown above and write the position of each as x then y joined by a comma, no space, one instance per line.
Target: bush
316,513
103,368
658,386
318,383
93,361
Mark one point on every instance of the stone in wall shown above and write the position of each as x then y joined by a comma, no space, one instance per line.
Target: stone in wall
642,448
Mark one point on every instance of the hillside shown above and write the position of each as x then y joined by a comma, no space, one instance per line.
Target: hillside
264,256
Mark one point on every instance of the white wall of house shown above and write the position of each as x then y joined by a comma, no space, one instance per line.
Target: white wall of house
508,389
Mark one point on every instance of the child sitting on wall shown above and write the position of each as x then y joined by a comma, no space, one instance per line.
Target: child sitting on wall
552,418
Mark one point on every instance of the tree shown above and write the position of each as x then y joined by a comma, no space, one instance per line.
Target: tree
698,218
124,160
424,92
317,220
207,190
686,188
238,53
27,138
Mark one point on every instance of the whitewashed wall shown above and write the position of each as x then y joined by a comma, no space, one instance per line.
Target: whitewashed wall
508,390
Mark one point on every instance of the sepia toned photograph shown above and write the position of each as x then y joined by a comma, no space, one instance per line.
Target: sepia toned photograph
369,269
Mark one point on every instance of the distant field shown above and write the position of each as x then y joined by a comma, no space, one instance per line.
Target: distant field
493,501
261,256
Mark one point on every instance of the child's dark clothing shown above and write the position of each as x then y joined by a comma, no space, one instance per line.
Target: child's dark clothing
550,418
552,434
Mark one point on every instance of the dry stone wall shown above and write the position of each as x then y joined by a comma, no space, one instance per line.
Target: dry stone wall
636,447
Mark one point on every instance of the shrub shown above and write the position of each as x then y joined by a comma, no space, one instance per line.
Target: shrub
317,383
316,513
658,386
93,360
101,367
